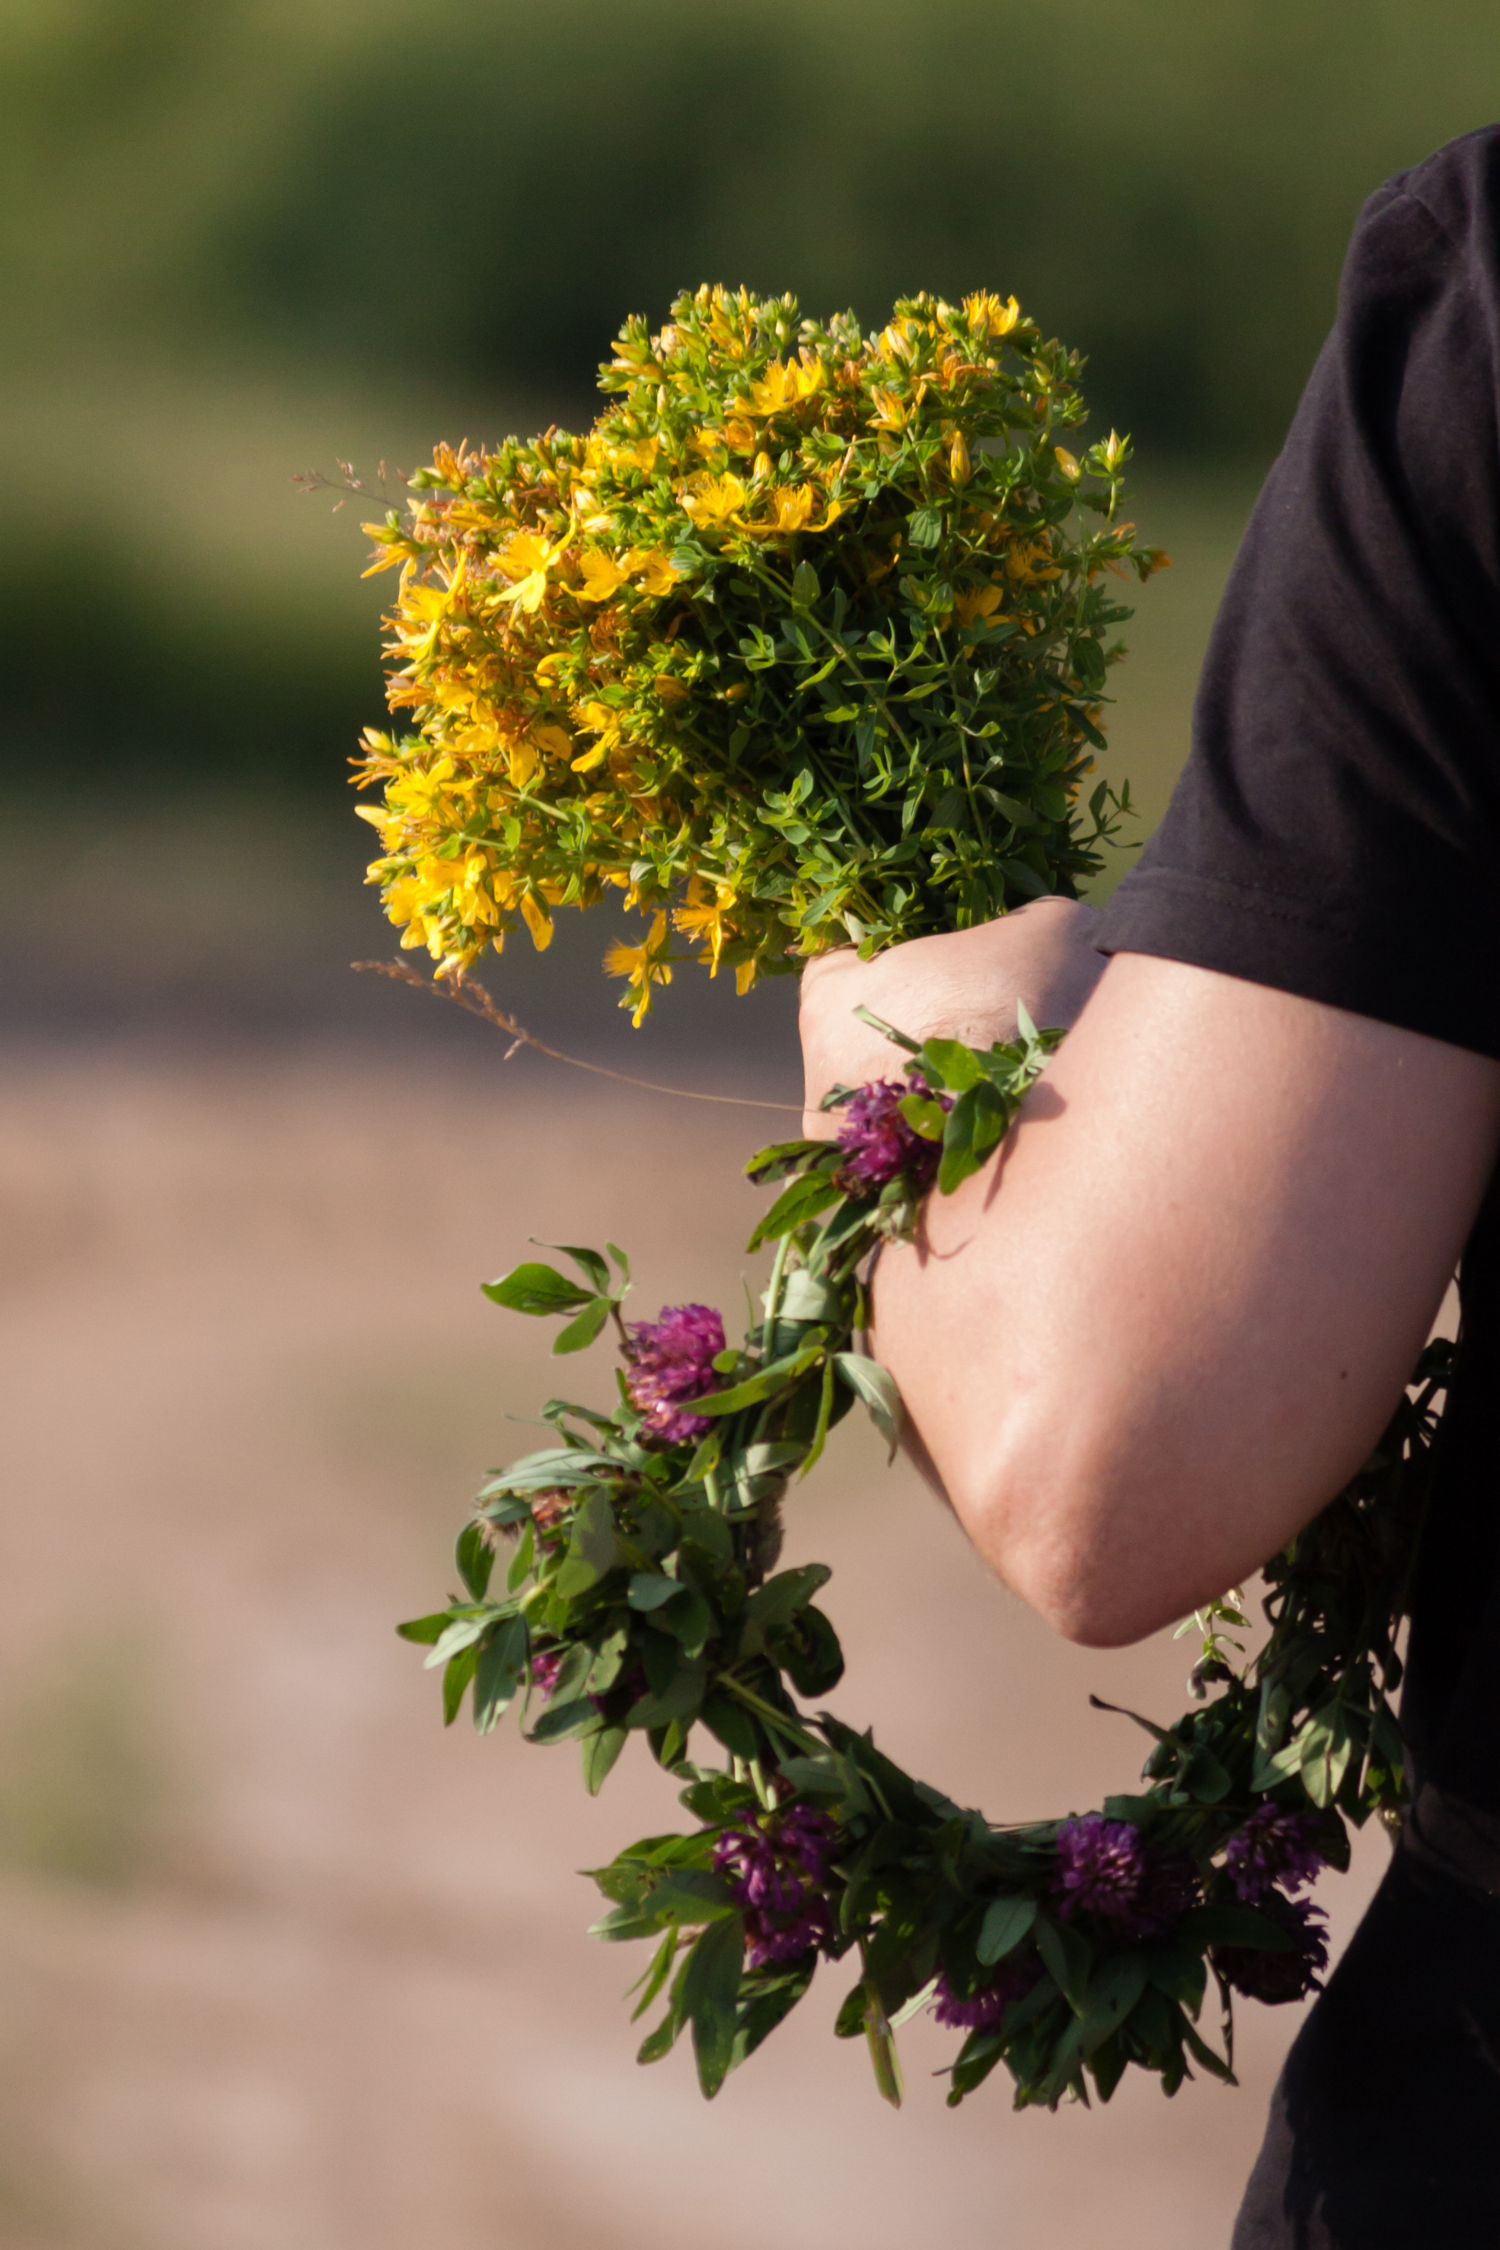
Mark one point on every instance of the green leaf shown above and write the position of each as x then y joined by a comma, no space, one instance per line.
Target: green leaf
593,1548
976,1125
1113,1991
425,1630
773,1163
521,1561
924,1116
1069,1956
808,1194
877,1388
805,587
953,1066
1178,1972
710,1998
805,1296
779,1376
498,1672
599,1753
819,1436
1025,879
1006,1922
682,1698
535,1472
475,1558
588,1262
533,1288
658,1973
881,2040
581,1331
773,1606
730,1723
563,1718
458,1633
649,1590
455,1679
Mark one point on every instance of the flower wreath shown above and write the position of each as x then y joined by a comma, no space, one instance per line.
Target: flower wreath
626,670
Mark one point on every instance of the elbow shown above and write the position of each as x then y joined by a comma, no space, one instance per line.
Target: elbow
1070,1530
1086,1609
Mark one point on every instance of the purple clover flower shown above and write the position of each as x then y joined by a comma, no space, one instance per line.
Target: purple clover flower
1278,1977
877,1142
673,1363
542,1670
1273,1847
1103,1868
984,2009
777,1866
1099,1866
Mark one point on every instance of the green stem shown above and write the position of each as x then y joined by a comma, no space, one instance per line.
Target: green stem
773,1717
773,1295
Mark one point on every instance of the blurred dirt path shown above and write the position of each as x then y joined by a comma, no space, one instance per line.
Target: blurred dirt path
334,1994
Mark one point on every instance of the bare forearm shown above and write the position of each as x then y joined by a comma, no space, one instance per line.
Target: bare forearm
1161,1330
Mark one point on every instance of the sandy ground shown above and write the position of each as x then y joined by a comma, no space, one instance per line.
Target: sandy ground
282,1966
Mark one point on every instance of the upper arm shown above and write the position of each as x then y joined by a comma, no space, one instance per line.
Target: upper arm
1168,1322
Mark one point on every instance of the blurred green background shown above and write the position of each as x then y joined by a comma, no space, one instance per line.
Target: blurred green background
241,240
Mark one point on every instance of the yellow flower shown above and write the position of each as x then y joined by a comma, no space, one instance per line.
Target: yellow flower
643,965
739,435
793,505
396,549
960,468
601,575
521,761
890,413
526,559
977,601
785,383
1030,563
652,569
987,312
791,511
702,919
640,455
389,823
1068,463
600,720
709,500
538,921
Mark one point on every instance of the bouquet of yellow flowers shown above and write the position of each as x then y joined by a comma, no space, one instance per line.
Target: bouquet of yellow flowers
795,648
805,644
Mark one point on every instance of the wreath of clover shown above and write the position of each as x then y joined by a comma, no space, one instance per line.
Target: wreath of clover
805,644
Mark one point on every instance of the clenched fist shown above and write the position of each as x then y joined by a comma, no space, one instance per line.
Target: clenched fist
960,986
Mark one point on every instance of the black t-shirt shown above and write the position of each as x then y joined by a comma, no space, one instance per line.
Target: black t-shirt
1336,833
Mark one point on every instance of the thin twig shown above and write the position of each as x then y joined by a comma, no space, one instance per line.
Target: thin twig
466,992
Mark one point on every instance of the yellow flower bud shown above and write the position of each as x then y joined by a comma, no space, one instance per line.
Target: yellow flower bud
959,466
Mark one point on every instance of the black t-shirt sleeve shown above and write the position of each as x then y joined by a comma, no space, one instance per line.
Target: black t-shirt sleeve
1336,831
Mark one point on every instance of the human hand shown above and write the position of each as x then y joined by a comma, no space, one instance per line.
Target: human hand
962,985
